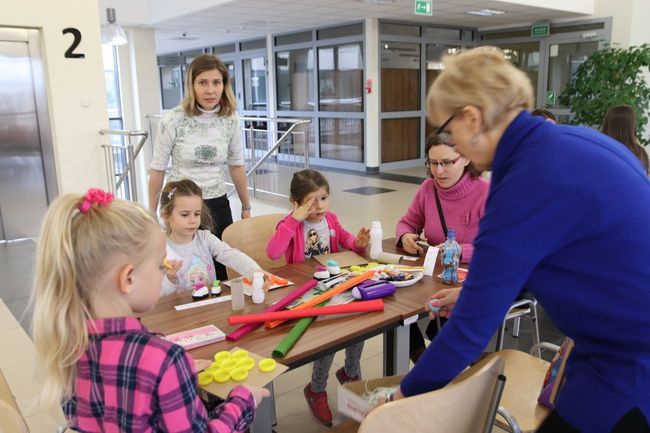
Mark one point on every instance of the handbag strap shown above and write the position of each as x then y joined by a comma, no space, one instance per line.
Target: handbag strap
440,214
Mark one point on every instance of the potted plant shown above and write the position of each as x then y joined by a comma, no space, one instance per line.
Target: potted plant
611,76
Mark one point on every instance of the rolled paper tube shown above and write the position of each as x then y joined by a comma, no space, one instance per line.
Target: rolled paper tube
287,342
325,296
242,331
355,307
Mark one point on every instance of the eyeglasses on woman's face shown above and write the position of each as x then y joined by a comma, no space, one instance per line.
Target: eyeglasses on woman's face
445,163
445,136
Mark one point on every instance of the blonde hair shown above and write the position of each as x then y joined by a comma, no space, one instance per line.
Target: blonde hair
482,77
73,249
208,62
183,188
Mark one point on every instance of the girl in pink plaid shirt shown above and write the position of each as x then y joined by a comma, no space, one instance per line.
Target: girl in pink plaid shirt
99,263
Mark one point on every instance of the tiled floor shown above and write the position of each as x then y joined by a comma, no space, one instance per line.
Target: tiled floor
354,211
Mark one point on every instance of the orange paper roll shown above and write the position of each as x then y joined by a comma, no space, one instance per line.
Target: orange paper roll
355,307
325,296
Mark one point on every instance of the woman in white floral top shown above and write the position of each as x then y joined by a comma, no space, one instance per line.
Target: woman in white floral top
199,136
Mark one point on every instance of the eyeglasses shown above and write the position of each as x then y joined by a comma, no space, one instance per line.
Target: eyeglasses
445,163
445,137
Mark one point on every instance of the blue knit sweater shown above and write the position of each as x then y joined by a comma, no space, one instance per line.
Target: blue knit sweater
568,216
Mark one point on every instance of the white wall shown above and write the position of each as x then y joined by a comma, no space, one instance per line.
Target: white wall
76,90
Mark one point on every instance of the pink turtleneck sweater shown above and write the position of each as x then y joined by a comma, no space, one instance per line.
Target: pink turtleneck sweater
463,206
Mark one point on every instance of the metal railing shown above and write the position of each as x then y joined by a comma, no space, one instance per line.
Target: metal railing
119,157
273,149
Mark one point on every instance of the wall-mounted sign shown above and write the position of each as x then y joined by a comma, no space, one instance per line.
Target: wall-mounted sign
424,7
540,29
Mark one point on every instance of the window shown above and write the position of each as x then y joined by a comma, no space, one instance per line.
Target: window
340,78
255,83
399,29
295,79
341,139
293,38
400,76
341,31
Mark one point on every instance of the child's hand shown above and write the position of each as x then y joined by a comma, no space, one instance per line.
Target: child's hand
363,238
201,364
258,393
302,211
171,270
268,280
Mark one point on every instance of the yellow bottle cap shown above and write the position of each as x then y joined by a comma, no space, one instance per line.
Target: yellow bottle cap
221,375
267,364
205,378
246,362
228,364
239,353
239,374
222,356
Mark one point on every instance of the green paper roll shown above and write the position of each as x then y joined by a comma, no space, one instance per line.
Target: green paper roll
287,342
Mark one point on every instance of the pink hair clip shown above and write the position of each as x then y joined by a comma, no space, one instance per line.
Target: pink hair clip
171,193
95,195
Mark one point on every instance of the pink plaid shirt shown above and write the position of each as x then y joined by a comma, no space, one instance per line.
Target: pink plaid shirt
130,380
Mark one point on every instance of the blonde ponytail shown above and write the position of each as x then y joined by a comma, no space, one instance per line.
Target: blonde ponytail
73,249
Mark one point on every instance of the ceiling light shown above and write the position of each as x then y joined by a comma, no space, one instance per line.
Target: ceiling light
112,33
486,12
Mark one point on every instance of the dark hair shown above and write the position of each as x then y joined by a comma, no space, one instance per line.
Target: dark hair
183,188
208,62
305,182
620,124
543,112
433,140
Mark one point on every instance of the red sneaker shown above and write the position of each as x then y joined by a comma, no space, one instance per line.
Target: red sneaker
344,378
318,405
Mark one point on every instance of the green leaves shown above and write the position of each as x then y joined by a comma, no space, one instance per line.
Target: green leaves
611,76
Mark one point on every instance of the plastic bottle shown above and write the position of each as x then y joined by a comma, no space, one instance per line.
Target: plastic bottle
258,284
237,295
451,250
376,238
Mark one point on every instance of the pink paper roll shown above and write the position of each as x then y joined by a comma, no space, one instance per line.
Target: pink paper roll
242,331
355,307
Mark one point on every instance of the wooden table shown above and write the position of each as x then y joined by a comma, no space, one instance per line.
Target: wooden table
326,335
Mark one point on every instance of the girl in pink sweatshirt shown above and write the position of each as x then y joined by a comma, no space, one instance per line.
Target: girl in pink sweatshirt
308,231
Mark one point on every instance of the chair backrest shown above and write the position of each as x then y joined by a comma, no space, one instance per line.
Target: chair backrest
11,420
468,405
250,236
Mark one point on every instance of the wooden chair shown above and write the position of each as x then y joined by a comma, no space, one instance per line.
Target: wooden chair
519,411
467,405
250,236
11,420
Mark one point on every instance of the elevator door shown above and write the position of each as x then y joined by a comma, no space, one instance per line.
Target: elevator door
23,181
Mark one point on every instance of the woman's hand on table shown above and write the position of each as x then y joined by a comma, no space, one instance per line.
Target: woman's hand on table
258,393
409,243
444,299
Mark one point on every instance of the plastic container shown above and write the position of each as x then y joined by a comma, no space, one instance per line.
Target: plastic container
239,353
376,239
266,365
205,378
373,290
258,291
450,258
222,356
237,295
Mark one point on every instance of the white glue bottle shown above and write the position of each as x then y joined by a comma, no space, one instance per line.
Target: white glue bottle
258,284
376,239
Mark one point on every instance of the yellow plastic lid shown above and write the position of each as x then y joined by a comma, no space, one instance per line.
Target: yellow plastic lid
240,353
221,375
238,374
228,364
246,362
205,378
214,366
222,356
267,364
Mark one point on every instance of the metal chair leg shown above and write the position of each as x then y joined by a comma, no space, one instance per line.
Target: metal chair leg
515,327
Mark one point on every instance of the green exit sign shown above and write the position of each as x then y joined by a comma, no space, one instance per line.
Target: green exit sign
540,29
424,7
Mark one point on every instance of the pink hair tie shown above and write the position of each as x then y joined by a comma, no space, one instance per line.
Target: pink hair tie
95,195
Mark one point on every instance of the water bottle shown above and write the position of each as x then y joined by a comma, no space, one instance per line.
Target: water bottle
258,284
376,238
237,295
451,250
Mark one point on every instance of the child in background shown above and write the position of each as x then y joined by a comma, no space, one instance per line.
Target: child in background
308,231
190,251
99,263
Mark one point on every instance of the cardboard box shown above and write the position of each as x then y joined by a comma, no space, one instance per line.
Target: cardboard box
350,402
